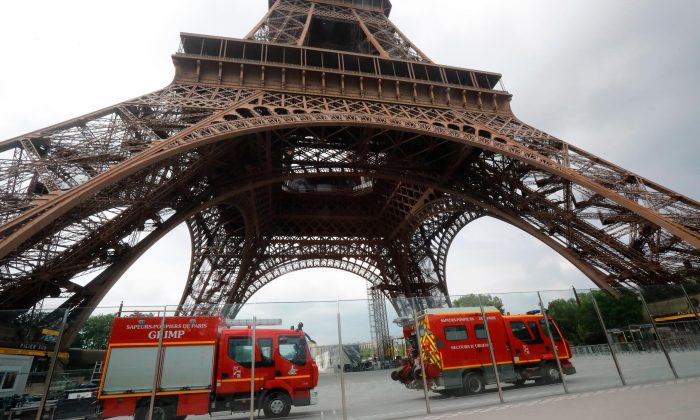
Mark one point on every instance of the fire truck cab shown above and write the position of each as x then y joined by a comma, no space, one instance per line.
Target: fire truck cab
203,368
456,353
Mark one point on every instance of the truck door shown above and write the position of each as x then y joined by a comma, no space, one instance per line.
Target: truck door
537,345
498,339
562,348
235,364
265,358
293,362
501,347
522,342
480,344
462,351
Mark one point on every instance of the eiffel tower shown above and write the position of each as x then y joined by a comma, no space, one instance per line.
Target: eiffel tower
324,138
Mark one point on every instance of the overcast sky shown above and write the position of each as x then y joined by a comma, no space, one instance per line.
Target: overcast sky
618,78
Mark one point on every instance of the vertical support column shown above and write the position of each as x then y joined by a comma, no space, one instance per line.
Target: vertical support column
690,304
342,373
420,357
252,366
52,366
307,24
158,362
491,350
658,336
607,338
554,345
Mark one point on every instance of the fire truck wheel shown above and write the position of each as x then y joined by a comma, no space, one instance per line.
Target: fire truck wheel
474,383
160,412
550,373
277,404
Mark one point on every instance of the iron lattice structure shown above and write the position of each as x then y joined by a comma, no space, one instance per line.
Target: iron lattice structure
382,343
325,138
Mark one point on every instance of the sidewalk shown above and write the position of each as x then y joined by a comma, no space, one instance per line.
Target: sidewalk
669,400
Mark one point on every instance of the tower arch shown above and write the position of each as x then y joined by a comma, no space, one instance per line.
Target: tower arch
358,144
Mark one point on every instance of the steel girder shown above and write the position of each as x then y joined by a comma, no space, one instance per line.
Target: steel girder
289,21
532,193
278,166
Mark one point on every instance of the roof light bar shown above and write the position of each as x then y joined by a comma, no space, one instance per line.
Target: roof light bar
260,322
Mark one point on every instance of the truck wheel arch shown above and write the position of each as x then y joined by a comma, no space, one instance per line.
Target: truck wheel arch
167,405
474,382
277,403
278,386
550,373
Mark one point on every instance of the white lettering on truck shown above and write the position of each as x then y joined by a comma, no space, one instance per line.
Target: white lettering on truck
152,335
469,346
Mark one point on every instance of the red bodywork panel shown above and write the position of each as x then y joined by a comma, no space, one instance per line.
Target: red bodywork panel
117,407
144,332
457,340
282,361
193,404
178,329
272,370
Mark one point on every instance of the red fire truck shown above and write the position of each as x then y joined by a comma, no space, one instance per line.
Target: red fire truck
456,353
204,367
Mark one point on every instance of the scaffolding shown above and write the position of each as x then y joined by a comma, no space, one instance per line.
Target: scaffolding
379,325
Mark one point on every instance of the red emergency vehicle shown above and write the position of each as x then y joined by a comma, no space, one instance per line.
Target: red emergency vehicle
204,367
456,353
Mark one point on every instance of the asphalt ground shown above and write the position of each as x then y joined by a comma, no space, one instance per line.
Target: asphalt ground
668,400
596,386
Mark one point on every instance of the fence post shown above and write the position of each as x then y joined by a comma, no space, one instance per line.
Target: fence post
658,336
607,338
554,345
420,356
52,366
690,304
491,350
252,367
342,369
158,362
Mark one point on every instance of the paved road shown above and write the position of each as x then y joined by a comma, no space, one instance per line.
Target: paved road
668,400
373,395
